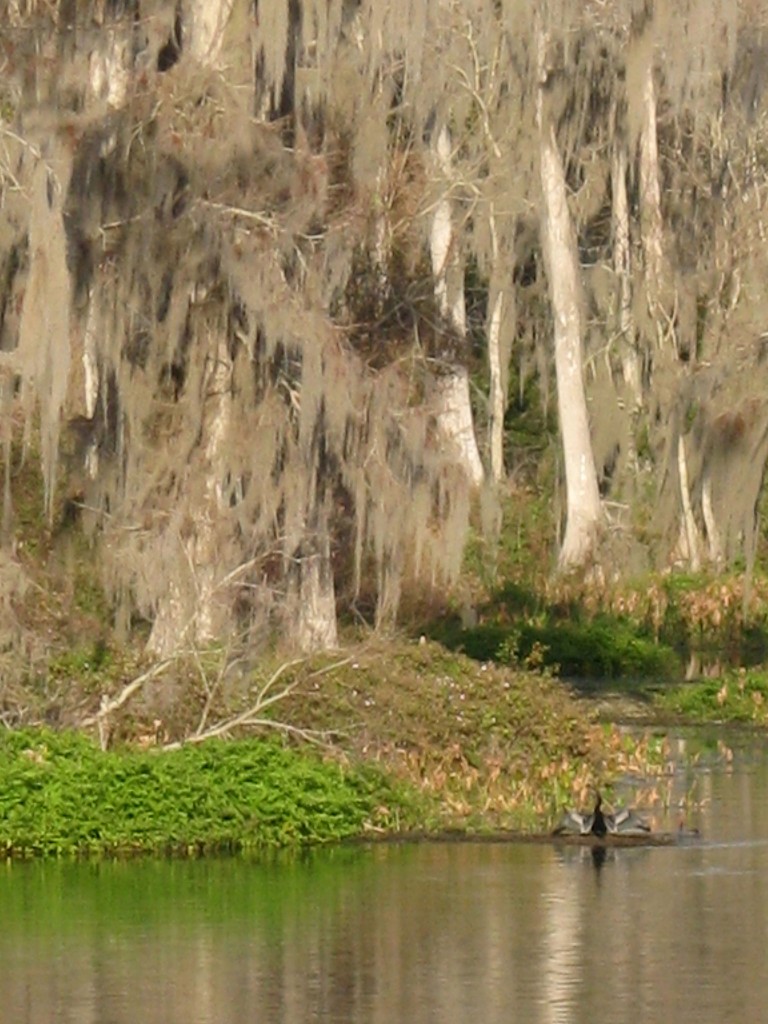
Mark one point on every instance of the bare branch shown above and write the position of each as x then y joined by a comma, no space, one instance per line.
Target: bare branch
252,717
109,705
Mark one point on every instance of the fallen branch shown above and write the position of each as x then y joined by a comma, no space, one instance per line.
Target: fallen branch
319,737
110,704
252,717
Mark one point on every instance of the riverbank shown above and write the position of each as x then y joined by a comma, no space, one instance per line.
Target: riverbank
442,741
391,738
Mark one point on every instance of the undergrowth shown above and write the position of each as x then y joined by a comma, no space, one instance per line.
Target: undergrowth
603,648
647,629
738,697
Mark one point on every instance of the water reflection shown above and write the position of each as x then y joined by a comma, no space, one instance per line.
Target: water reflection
449,933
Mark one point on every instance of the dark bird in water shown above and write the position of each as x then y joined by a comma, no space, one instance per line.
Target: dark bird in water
600,823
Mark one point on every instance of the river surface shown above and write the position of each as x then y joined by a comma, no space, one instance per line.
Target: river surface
455,933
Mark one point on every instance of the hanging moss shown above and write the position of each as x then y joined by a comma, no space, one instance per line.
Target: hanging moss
214,258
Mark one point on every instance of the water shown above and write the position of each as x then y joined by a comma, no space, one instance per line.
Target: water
450,933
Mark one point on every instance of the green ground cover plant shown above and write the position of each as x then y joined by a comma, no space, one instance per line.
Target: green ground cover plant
60,794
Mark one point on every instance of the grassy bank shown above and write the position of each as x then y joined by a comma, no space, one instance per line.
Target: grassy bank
404,737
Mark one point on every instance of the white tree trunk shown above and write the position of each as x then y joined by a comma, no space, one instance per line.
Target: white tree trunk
196,608
316,618
714,541
454,414
689,533
583,509
310,608
204,25
446,261
498,362
497,390
454,419
630,361
109,68
91,378
171,626
650,200
217,428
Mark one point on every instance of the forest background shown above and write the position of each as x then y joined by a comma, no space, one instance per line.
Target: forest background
298,298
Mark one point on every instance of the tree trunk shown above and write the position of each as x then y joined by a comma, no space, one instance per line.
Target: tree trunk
650,200
454,414
211,611
311,606
689,533
454,419
446,261
583,510
91,382
315,617
204,27
622,266
498,359
195,609
310,611
497,390
110,66
714,542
